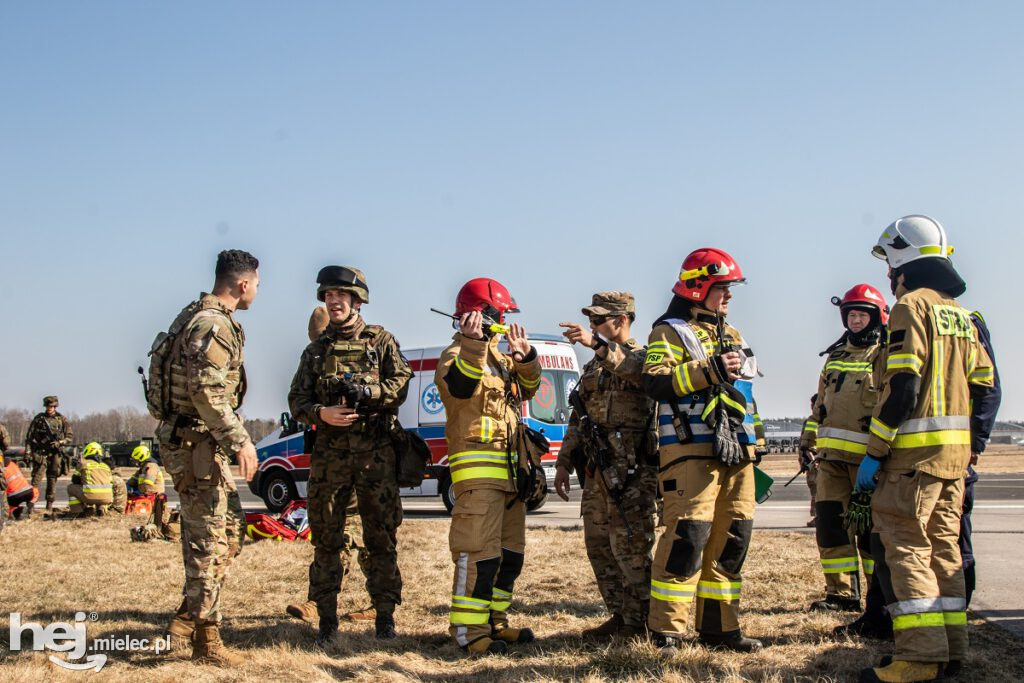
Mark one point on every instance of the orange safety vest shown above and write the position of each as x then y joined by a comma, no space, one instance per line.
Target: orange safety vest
16,482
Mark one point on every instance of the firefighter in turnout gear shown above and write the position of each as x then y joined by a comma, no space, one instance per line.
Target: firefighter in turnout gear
149,478
699,370
807,453
621,475
482,388
90,487
349,384
918,450
847,392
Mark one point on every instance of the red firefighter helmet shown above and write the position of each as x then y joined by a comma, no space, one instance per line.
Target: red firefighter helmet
704,268
486,295
863,297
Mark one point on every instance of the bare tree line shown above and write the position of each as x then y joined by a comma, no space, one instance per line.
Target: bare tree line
117,424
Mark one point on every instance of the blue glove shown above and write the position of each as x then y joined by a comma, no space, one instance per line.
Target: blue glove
869,467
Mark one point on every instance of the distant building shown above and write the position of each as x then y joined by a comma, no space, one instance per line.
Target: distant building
1008,432
783,436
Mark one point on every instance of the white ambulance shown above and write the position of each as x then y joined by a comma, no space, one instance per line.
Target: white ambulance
284,454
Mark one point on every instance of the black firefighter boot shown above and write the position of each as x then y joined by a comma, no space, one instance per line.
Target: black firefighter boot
385,624
734,640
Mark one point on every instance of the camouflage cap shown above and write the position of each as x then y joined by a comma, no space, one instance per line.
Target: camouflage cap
50,401
611,303
345,278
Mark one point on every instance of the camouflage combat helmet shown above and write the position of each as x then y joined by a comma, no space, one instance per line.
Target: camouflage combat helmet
343,278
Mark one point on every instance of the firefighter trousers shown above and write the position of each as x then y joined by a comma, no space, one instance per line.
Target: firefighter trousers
916,524
709,517
836,547
487,539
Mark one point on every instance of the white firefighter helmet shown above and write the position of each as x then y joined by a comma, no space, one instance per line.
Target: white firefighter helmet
911,238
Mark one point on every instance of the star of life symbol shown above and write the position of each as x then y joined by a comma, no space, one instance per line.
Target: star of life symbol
71,638
431,399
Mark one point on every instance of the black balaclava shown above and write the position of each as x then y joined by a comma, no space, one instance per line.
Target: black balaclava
677,308
932,273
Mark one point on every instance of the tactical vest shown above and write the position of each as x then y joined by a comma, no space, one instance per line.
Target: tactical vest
612,401
355,360
178,389
849,390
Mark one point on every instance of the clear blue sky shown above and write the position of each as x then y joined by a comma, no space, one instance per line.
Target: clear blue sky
561,147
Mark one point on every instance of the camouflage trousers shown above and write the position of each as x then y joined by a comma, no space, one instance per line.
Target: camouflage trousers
50,466
621,559
334,476
120,490
353,541
212,524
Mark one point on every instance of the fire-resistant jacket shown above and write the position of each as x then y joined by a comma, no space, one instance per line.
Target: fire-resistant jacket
149,478
481,387
933,350
612,390
16,481
673,375
809,433
848,390
96,481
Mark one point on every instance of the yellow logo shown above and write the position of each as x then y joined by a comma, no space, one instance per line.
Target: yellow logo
952,321
654,357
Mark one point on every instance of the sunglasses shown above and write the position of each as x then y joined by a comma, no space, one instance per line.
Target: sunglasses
600,319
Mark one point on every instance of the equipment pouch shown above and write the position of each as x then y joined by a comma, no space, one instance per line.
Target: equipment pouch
531,445
412,455
203,465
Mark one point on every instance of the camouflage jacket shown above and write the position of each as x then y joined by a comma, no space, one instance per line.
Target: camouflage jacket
369,356
612,390
48,435
208,376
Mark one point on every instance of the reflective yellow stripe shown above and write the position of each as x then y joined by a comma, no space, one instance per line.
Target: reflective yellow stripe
466,602
95,489
486,429
938,381
147,481
662,346
904,361
954,618
869,565
882,430
479,473
839,565
842,445
672,592
981,376
738,407
844,366
930,249
921,620
946,437
529,383
468,370
709,407
501,601
470,617
683,382
719,590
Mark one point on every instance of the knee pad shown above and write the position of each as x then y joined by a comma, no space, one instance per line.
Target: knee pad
735,551
486,570
508,572
829,528
684,558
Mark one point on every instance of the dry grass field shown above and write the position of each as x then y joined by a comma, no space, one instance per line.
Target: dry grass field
53,569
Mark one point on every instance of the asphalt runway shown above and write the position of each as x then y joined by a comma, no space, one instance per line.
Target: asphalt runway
998,532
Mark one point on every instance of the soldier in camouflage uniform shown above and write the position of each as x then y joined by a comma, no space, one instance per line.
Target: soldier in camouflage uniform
47,435
207,382
350,383
5,443
619,536
306,611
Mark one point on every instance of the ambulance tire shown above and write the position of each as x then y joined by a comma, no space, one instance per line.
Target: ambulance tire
278,490
447,491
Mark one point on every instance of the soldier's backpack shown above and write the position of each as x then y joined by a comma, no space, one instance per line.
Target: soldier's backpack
162,353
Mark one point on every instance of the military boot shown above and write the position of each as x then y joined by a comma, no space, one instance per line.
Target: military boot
28,509
835,603
900,671
207,648
865,628
385,626
606,630
306,612
486,646
180,633
49,506
512,636
326,633
368,614
734,641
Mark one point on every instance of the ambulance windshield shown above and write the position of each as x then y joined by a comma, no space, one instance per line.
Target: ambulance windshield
551,403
